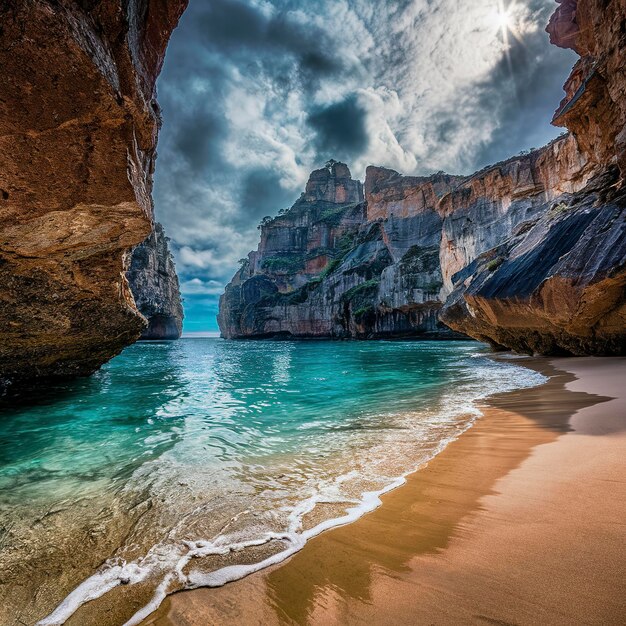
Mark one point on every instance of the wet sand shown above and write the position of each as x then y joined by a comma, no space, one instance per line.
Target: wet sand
522,520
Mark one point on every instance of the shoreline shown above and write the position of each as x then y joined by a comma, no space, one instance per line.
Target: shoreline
101,596
444,546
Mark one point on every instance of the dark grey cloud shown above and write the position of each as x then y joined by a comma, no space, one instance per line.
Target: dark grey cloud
198,139
340,129
239,28
261,195
257,93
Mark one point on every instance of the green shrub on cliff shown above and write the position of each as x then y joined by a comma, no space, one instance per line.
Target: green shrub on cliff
321,251
369,287
493,265
363,311
284,264
333,264
420,259
346,242
333,215
559,208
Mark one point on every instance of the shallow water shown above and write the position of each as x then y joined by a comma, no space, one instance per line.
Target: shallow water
199,459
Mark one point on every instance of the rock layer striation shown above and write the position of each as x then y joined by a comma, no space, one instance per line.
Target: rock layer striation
78,132
325,269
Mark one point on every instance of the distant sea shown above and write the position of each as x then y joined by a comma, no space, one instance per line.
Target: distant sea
201,460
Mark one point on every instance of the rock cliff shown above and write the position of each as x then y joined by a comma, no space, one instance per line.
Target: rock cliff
528,254
557,285
341,264
154,285
78,131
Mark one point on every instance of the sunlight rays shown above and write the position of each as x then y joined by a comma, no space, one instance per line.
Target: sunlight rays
508,21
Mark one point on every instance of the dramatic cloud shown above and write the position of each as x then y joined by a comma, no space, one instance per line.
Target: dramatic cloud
340,129
256,93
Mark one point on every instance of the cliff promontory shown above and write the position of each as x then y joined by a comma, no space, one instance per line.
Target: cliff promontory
78,132
527,254
341,264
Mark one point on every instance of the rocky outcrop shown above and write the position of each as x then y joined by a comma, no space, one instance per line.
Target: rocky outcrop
78,131
594,107
154,285
558,284
484,209
384,266
340,265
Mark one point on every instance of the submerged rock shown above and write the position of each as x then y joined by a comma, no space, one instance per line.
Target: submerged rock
154,284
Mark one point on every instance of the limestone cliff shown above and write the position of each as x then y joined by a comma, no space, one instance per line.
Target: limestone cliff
78,131
154,285
338,264
384,266
558,284
528,254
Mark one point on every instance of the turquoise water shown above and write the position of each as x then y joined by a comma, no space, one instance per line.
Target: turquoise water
238,451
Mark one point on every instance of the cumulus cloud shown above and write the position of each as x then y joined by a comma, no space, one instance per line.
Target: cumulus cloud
196,287
257,93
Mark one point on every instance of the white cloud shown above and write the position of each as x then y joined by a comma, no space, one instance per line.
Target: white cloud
196,286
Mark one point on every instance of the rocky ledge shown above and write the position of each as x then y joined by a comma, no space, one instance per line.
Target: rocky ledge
528,254
78,132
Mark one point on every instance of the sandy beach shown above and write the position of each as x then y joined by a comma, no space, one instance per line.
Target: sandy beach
519,521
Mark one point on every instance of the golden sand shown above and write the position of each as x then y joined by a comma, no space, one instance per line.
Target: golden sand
522,520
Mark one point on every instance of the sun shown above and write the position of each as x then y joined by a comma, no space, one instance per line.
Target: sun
503,19
506,21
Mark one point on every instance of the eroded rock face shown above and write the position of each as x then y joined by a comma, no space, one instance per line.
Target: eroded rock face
528,254
78,131
326,268
154,284
594,107
558,284
384,267
484,209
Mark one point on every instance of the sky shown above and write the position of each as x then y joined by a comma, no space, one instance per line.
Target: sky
257,93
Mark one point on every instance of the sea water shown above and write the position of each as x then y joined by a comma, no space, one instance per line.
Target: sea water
202,460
